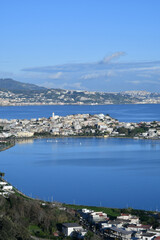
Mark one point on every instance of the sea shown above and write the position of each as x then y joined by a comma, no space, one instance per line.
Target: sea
112,172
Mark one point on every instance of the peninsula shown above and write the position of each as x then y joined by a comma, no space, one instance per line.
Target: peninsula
79,125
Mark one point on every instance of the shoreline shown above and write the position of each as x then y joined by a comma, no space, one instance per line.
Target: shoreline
67,204
105,137
77,206
80,206
17,140
76,104
7,147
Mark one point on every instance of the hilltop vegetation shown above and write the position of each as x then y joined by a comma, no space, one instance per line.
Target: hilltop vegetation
12,85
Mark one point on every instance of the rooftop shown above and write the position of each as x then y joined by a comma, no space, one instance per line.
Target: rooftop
70,225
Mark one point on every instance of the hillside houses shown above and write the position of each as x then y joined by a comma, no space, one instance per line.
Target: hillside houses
93,217
124,227
74,230
5,188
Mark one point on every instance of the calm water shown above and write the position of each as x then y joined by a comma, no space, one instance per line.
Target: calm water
126,113
107,172
91,171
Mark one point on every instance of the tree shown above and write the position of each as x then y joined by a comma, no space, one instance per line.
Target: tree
2,174
89,235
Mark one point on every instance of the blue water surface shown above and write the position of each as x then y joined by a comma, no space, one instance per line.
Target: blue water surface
91,171
126,113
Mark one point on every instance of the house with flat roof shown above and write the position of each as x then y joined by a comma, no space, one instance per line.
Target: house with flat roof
120,233
69,228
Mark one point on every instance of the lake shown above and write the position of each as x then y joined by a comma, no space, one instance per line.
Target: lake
91,171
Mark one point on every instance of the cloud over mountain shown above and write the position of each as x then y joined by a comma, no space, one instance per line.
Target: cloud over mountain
104,75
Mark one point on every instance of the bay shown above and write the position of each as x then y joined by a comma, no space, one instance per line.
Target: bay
125,113
91,171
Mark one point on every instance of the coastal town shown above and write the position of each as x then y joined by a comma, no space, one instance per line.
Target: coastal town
124,226
72,97
98,125
14,93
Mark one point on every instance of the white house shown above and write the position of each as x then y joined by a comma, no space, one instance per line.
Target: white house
2,183
97,217
120,233
147,236
133,219
69,228
8,187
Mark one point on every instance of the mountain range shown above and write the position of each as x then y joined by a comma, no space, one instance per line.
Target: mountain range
17,93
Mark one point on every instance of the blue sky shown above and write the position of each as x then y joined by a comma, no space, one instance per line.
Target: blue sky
99,45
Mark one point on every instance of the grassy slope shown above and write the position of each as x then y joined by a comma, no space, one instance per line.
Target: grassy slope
111,212
146,217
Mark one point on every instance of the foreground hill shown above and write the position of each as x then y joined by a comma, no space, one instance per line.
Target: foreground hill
17,93
21,218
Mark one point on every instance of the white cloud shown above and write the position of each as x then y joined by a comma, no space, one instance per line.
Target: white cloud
55,75
94,75
143,82
113,56
144,75
134,82
76,86
47,85
99,74
65,85
91,75
151,82
139,69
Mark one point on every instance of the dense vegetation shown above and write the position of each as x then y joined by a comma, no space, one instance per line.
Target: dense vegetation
146,217
42,134
21,217
132,132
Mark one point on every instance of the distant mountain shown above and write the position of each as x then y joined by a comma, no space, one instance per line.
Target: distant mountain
12,85
17,93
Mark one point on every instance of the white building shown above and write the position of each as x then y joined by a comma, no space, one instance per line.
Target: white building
25,134
69,228
2,183
147,236
8,187
97,217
